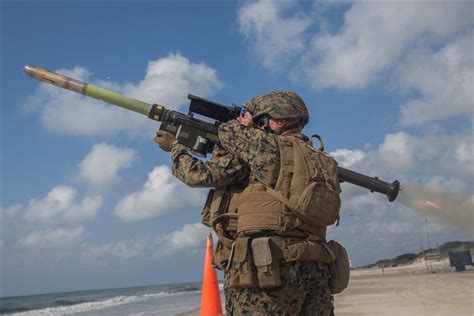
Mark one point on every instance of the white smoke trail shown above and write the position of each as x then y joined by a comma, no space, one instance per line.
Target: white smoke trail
454,209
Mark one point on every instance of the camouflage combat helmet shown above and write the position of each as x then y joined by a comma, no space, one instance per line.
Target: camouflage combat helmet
279,104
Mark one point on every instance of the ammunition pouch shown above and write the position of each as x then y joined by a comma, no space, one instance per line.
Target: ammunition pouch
255,262
241,267
266,261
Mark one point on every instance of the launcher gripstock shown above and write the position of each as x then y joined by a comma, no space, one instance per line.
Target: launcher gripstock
198,135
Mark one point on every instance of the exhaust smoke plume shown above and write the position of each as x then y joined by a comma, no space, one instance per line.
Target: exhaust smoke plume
450,208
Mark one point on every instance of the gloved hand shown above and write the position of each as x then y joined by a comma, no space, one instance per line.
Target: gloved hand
165,140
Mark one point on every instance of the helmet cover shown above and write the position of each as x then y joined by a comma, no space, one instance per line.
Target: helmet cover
279,104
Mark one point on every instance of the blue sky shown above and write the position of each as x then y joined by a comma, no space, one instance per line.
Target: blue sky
87,197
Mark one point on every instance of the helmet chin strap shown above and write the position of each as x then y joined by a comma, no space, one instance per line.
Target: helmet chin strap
264,122
289,127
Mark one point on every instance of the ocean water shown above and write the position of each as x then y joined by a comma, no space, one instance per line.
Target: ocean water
160,300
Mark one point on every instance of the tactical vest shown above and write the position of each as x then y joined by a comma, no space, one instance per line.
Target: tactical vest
305,198
303,203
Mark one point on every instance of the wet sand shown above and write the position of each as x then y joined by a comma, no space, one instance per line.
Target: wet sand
406,290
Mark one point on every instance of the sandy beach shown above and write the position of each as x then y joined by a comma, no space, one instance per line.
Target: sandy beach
406,290
409,290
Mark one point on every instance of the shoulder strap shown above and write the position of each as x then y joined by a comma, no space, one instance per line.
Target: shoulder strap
286,164
279,196
283,199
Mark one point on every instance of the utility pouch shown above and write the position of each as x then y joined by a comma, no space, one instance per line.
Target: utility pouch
268,268
242,268
221,256
339,269
217,202
307,250
225,226
318,205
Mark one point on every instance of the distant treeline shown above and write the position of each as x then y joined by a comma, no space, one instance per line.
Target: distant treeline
408,258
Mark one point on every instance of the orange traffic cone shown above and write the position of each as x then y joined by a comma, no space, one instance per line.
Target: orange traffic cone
211,296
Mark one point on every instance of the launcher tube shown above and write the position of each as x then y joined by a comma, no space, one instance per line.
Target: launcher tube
88,90
374,184
172,120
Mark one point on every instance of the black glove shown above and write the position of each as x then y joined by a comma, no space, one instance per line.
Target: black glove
165,140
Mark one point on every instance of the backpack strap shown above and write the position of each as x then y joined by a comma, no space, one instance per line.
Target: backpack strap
279,197
291,206
286,165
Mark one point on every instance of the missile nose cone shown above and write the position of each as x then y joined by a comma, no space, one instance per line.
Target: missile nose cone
28,69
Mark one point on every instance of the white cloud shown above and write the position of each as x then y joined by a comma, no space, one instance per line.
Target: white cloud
374,36
162,193
273,36
12,210
53,238
398,151
464,155
443,80
167,81
99,169
103,254
61,206
189,237
437,153
347,157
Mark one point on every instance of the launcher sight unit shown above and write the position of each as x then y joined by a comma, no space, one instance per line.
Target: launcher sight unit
198,135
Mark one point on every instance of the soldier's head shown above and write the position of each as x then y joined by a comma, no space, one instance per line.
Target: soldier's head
279,111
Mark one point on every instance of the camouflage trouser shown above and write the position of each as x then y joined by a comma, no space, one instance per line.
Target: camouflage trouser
304,291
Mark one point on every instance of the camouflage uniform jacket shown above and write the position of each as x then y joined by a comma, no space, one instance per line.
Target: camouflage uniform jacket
221,171
304,286
255,147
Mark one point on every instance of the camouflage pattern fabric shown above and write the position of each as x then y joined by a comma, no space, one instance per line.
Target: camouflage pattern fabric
278,104
221,171
257,148
304,291
248,155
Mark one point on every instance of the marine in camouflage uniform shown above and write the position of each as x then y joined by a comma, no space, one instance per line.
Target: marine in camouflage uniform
251,155
221,171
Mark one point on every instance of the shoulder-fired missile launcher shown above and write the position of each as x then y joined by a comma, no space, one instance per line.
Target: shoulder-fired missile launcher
198,135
